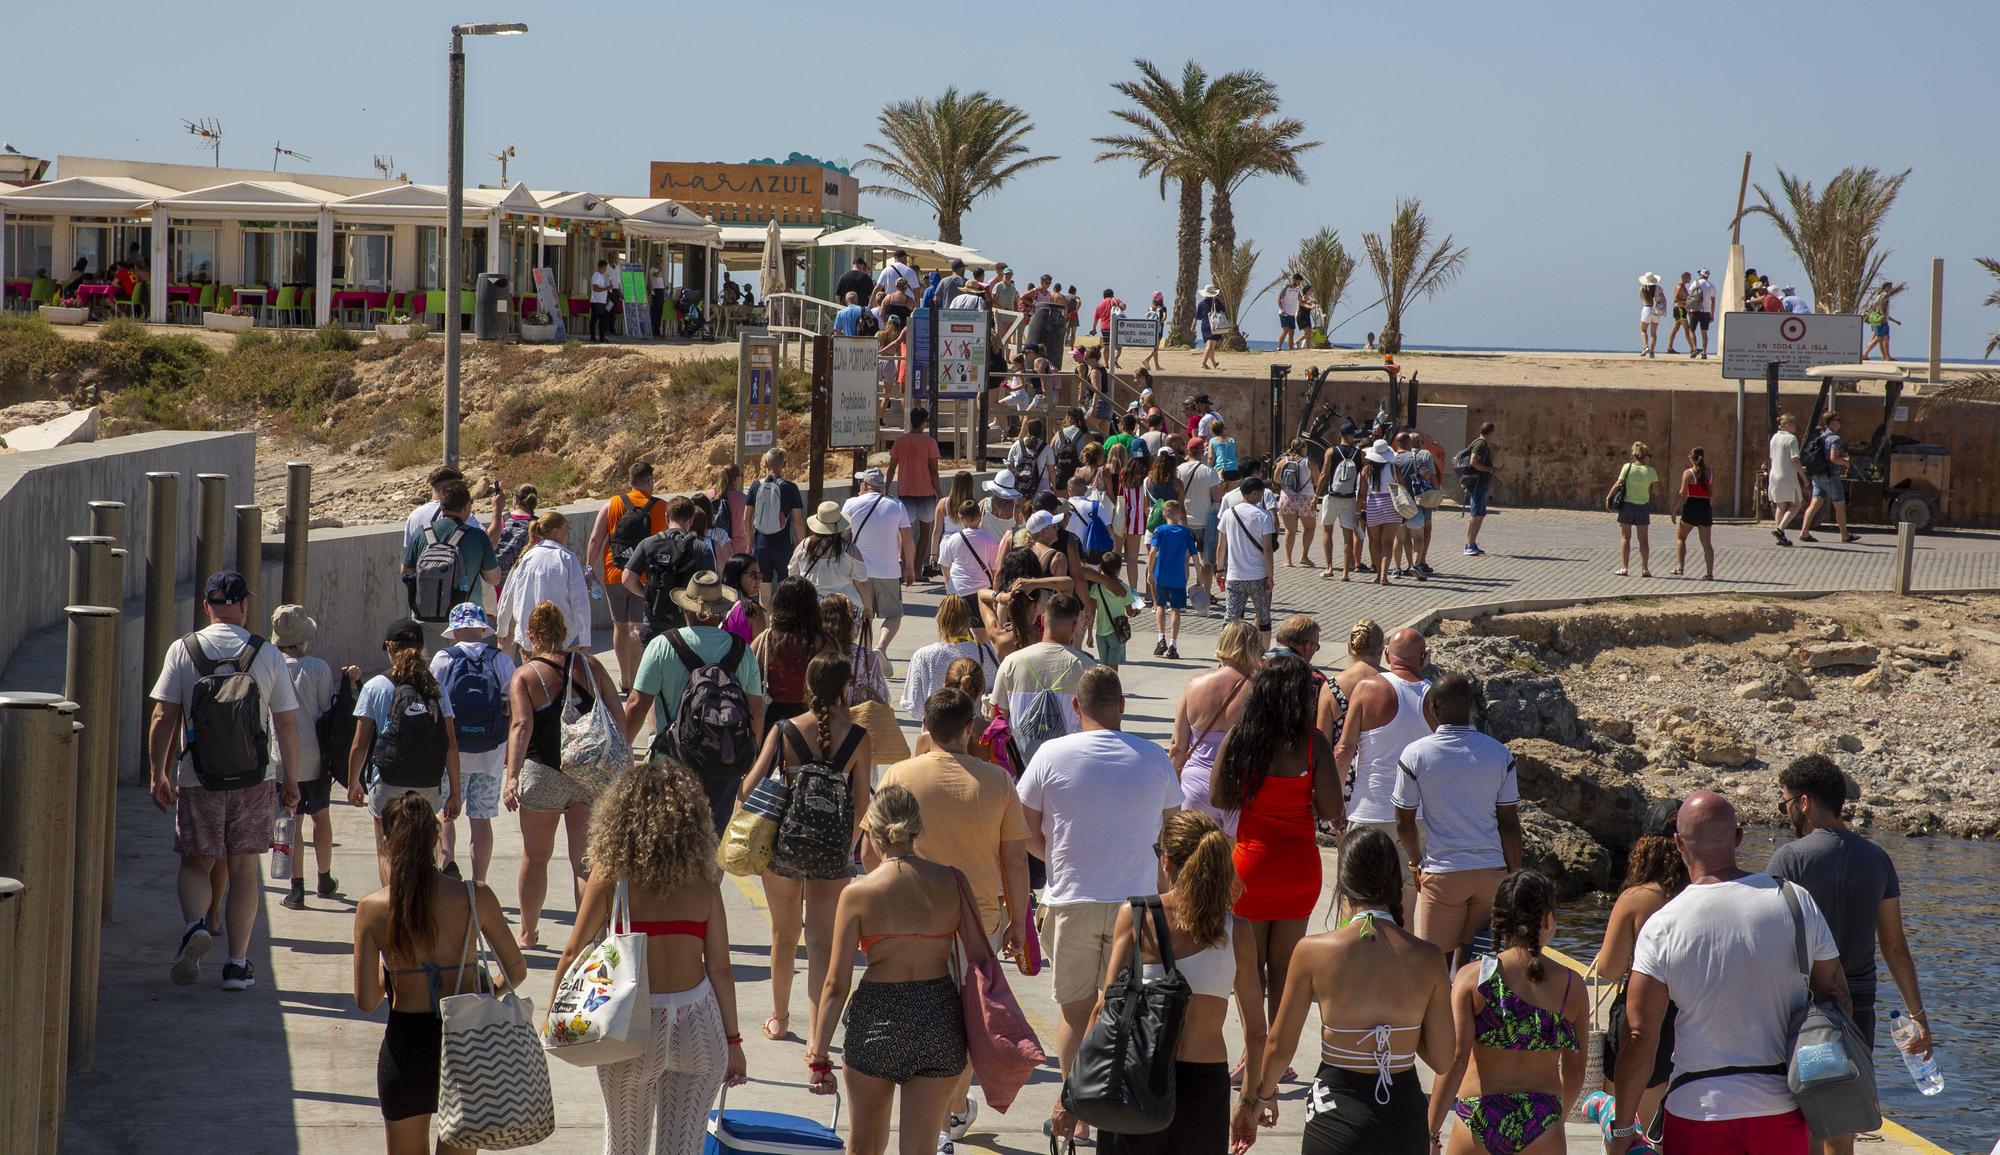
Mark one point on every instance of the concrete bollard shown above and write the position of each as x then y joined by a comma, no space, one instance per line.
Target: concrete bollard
11,1033
1906,558
298,516
91,681
250,561
37,838
89,563
211,525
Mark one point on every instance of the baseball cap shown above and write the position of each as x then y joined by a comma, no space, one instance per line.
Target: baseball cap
226,588
1040,520
871,477
405,633
1349,429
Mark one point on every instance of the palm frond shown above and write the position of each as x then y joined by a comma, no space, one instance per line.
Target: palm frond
1232,273
949,152
1409,267
1834,232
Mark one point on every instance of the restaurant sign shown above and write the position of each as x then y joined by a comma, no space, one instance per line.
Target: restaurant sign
765,188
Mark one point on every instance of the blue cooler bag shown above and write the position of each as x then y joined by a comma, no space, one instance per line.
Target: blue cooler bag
769,1132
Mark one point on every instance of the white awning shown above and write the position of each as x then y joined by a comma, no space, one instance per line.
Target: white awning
789,235
576,206
85,196
664,219
427,204
872,236
250,200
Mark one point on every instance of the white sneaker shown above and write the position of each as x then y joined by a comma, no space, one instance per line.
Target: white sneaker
187,960
959,1122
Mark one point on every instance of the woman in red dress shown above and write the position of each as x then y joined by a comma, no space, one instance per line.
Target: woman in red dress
1276,769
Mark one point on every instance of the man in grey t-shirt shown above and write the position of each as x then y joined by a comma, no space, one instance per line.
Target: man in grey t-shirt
1463,782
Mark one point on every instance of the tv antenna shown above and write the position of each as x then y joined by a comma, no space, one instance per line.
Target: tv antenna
384,165
279,149
209,130
503,156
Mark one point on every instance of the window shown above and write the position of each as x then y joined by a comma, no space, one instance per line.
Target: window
279,254
193,256
361,257
103,243
30,249
430,257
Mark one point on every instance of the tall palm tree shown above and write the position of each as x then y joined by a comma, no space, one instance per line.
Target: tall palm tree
1231,273
1246,138
1325,264
1985,384
949,152
1833,232
1168,122
1409,267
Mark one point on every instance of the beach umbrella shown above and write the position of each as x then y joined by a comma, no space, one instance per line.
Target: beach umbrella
771,269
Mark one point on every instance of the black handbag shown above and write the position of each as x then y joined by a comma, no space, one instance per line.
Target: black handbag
1122,1079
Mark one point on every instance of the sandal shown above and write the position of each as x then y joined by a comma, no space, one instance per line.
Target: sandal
1674,572
783,1032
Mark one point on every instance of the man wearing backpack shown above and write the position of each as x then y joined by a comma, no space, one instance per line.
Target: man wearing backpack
473,675
777,519
1826,460
884,537
1202,487
708,672
660,565
1035,686
446,563
420,518
1339,480
221,691
1475,470
1724,952
626,520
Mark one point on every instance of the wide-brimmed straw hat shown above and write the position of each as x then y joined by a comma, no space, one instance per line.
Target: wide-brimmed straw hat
705,595
1380,453
1650,279
1210,291
829,520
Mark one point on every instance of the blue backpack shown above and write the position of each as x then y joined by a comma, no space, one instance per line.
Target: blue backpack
1096,534
471,683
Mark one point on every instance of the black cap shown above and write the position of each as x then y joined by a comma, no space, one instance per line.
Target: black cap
957,264
226,588
1349,429
405,633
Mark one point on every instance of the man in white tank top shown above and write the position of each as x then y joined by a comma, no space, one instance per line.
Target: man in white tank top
1384,715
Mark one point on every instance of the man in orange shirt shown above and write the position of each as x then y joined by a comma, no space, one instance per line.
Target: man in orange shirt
914,458
626,520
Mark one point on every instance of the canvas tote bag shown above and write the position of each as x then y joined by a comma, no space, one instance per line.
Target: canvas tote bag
493,1083
602,1009
998,1039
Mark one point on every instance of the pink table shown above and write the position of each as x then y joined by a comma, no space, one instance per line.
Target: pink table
182,293
87,293
362,299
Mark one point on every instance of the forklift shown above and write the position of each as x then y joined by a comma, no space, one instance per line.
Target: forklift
1397,409
1890,478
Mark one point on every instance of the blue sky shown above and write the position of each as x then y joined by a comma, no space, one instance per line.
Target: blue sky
1570,145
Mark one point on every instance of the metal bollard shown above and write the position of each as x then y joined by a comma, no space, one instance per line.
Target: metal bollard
211,525
250,560
162,565
37,836
91,681
107,519
1906,559
11,1034
89,563
298,517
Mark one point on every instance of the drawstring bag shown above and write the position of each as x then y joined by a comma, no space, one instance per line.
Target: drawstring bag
601,1012
1000,1043
594,749
493,1083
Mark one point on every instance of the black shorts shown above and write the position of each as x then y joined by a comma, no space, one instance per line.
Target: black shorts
900,1031
1343,1117
1680,312
773,557
1699,320
1202,1102
1698,511
315,794
406,1068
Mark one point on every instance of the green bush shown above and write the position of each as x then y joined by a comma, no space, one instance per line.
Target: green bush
124,329
252,339
332,337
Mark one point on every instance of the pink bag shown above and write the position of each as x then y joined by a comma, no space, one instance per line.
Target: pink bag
1002,1046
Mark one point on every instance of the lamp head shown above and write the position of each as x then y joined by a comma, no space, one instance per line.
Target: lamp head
505,29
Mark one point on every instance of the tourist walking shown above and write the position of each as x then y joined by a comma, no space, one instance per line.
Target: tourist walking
1031,459
883,536
1338,482
1683,291
1384,1000
1157,313
1290,333
225,803
1785,476
1829,481
662,564
1729,921
313,683
546,572
1519,1062
731,506
1201,491
1696,513
746,619
1211,324
474,674
830,561
403,739
652,853
1171,554
513,530
827,773
413,946
925,674
1208,707
601,282
913,474
1295,501
1701,312
627,519
1035,686
1879,320
1463,784
1094,802
969,555
535,784
1275,770
1385,714
1652,307
1245,554
1378,507
420,518
1632,496
1220,448
437,582
1654,874
1212,952
1477,472
673,661
846,635
1853,881
905,1030
783,649
777,519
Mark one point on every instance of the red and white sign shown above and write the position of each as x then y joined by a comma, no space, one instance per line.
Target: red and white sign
1796,341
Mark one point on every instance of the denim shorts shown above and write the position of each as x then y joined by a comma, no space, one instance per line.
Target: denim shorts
1829,487
1475,496
1110,650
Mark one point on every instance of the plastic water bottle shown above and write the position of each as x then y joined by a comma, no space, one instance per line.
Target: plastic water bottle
595,587
1924,1069
281,847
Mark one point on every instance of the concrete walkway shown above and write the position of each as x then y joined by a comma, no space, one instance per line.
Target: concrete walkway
289,1066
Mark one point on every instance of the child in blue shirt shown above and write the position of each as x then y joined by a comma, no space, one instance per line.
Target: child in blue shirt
1168,549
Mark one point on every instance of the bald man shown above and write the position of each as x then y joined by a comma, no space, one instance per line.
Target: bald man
1384,715
1723,951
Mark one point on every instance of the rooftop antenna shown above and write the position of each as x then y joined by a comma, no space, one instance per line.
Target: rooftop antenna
384,165
503,156
279,149
209,130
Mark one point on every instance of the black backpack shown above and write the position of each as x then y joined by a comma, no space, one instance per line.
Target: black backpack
1022,461
710,732
1069,453
335,730
634,526
513,539
1813,454
867,326
409,751
1122,1079
680,558
226,739
814,835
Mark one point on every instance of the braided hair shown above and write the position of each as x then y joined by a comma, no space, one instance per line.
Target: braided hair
1524,899
826,687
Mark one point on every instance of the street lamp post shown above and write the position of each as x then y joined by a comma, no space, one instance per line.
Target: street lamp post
454,228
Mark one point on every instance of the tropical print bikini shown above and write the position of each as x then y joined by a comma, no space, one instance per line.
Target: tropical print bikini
1508,1123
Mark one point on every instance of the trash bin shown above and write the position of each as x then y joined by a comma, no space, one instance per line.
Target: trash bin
490,306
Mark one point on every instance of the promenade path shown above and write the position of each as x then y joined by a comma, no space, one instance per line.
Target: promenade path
290,1065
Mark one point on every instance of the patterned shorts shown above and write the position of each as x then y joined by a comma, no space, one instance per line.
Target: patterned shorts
908,1030
549,790
214,824
480,775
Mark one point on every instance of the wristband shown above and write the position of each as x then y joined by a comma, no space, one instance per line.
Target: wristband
1625,1132
733,1040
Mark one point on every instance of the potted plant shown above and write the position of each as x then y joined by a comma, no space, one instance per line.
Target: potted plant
538,327
232,319
400,327
69,311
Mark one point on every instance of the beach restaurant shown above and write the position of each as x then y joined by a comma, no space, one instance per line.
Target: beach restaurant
305,249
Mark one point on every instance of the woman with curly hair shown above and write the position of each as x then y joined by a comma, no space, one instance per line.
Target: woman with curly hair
847,637
1012,609
652,849
785,646
1275,769
809,871
1654,874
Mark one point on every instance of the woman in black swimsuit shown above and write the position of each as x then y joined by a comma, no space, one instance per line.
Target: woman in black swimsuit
409,939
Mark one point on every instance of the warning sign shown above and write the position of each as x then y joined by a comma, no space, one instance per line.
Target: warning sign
1796,341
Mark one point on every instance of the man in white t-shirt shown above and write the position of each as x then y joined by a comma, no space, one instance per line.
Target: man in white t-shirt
1053,664
229,819
1244,555
600,302
1724,952
420,518
887,543
1463,783
1094,801
1701,311
1289,336
1786,476
898,269
970,554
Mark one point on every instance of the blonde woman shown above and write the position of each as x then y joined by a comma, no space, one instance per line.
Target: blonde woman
925,674
1208,708
1637,484
654,838
547,571
905,1029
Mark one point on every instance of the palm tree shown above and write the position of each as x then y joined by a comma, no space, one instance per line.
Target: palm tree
948,152
1325,264
1409,267
1833,233
1245,138
1985,384
1231,273
1169,123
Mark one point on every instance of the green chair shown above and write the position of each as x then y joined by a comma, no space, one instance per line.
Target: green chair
309,306
392,304
133,305
434,306
44,291
285,308
203,303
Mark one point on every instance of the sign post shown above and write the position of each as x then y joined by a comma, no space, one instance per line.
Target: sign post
756,395
851,393
1754,344
1137,332
547,300
961,354
822,375
637,303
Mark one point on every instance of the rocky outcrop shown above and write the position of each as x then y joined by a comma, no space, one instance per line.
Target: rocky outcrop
1521,698
1565,852
1579,788
1578,631
1701,739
